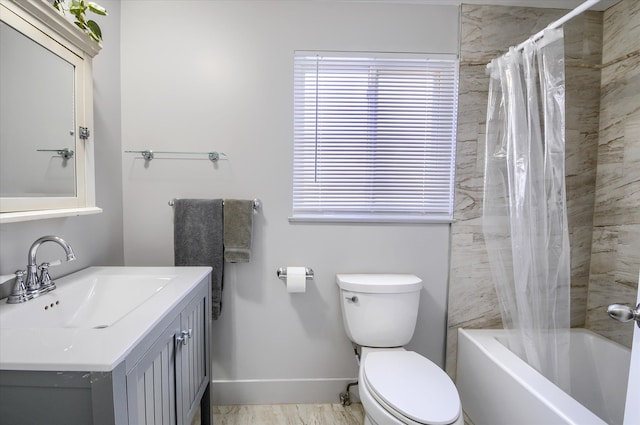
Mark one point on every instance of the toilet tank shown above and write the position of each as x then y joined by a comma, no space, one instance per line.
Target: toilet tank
379,310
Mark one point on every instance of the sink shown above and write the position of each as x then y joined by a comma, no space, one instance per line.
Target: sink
93,318
94,301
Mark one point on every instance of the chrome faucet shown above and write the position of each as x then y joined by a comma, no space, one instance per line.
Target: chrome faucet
35,285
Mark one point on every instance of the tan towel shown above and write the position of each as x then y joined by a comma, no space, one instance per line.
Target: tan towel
238,226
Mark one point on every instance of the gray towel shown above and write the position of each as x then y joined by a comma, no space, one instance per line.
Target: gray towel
238,224
198,241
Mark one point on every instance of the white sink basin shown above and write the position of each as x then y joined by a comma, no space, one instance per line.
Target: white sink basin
92,319
95,301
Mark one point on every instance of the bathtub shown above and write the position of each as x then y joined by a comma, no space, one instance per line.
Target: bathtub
497,387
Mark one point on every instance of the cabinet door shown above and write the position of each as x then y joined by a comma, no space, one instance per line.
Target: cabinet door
192,366
151,392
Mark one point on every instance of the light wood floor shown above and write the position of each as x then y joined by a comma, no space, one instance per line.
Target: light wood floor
289,414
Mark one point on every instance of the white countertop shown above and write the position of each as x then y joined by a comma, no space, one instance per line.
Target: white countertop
55,348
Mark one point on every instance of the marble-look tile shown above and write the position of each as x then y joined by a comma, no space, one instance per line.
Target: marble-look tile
580,200
619,90
618,173
581,156
469,198
582,106
631,163
632,139
621,23
477,303
603,292
611,142
580,238
580,177
488,31
289,414
583,39
491,321
603,246
627,259
615,264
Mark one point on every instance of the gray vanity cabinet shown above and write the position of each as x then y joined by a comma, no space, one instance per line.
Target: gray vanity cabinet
168,382
162,380
151,384
192,363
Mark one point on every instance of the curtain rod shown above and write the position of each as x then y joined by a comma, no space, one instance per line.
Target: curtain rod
556,24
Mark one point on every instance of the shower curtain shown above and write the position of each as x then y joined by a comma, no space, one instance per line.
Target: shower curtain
524,210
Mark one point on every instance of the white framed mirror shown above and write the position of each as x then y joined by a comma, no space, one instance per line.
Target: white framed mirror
46,114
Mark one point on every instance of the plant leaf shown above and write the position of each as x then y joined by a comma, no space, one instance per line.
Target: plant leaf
97,9
77,7
95,29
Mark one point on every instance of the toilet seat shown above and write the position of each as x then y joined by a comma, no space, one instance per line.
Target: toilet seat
411,387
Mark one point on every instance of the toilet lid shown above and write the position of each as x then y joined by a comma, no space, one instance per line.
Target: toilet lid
413,386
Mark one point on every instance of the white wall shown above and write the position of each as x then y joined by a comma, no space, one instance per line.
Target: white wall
96,239
218,75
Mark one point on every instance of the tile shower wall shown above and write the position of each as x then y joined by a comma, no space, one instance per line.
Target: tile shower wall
487,32
615,256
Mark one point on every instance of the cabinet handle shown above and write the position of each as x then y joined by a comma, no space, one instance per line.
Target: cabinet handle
183,337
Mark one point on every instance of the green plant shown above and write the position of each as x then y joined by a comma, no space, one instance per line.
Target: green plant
78,8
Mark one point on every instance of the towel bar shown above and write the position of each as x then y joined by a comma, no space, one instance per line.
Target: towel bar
282,273
256,203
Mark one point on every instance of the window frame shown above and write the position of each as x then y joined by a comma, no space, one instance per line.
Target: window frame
426,215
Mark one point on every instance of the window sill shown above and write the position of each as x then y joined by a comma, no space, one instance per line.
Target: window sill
370,220
14,217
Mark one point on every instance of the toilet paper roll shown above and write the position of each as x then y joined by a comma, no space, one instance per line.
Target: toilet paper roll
296,279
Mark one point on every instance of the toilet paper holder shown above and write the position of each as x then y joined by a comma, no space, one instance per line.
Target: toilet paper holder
282,273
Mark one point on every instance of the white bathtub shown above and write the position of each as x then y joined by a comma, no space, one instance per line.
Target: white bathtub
497,387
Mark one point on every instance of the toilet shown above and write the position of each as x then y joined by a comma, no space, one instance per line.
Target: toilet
396,386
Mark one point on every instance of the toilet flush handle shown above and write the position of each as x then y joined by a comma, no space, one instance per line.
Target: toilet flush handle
353,299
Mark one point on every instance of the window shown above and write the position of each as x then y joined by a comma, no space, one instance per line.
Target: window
374,137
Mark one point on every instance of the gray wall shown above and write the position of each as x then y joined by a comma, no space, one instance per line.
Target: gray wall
96,239
200,76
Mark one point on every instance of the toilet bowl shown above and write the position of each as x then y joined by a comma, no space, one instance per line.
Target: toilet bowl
399,387
396,386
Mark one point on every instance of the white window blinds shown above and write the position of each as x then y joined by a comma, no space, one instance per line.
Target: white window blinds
374,137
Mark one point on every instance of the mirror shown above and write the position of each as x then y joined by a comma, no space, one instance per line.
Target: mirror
37,86
46,156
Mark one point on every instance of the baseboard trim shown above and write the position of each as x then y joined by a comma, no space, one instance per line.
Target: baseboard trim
281,391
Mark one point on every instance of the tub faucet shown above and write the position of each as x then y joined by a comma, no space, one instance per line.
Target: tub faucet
36,285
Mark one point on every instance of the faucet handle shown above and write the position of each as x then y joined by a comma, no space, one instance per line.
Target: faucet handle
45,279
19,292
